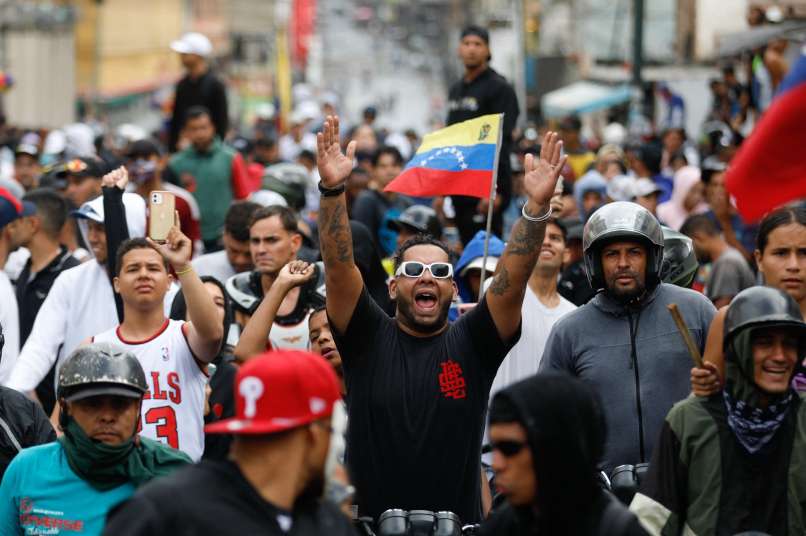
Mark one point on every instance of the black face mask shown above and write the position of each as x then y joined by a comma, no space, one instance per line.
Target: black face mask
142,171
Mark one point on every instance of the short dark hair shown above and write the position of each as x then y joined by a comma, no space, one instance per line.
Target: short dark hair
387,149
286,215
145,148
699,223
51,209
562,227
265,143
195,112
238,218
650,154
305,154
132,244
418,240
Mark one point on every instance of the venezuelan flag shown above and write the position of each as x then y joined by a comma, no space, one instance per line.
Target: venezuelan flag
456,160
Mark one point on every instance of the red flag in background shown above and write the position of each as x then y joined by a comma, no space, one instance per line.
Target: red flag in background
770,168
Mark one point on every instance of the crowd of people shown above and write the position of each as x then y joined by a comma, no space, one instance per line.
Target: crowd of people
304,352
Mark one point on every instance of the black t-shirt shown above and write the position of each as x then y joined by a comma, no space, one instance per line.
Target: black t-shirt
488,93
416,408
215,498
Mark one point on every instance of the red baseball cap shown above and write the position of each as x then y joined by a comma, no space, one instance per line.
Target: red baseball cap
280,390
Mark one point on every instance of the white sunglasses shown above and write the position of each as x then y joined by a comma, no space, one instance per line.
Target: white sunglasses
439,270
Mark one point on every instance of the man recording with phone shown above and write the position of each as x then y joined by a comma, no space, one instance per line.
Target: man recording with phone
174,354
81,301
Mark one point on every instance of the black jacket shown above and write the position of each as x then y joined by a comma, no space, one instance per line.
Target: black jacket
207,91
565,431
22,424
606,517
215,498
488,93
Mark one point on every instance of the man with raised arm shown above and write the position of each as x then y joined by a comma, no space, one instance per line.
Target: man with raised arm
417,387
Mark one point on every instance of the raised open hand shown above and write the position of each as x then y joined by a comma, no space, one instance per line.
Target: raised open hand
541,176
117,177
334,166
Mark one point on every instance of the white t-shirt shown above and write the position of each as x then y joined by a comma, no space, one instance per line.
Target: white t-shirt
80,304
10,320
173,407
524,358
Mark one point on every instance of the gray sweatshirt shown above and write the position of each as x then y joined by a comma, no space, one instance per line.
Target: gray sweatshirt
601,343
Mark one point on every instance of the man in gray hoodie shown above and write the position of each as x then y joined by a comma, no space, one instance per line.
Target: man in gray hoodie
624,342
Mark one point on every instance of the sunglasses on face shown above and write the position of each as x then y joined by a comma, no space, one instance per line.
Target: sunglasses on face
439,270
508,448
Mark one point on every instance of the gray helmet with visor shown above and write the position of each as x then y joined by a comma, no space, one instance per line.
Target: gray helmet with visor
621,220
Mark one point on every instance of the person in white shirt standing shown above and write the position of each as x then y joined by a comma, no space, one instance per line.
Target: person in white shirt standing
80,302
174,354
542,307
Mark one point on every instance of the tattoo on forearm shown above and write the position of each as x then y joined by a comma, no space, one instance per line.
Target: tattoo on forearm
526,238
500,282
336,243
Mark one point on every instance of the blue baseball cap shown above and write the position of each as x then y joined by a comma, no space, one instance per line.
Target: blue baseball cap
12,208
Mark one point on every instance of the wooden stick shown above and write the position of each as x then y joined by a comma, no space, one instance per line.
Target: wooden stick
693,351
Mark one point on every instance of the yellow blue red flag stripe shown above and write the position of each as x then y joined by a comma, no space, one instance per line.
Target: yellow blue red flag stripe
456,160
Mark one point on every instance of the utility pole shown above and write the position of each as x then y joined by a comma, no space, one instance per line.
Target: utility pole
637,42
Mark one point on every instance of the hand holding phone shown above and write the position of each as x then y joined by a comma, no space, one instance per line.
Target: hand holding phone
160,215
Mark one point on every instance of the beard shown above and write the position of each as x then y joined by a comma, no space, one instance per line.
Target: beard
625,296
405,309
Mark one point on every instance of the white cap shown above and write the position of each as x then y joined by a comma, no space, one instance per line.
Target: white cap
267,198
645,186
193,43
478,262
621,188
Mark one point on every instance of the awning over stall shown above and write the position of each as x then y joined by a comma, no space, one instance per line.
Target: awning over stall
583,97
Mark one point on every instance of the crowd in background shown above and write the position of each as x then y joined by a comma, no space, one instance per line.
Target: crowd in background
246,269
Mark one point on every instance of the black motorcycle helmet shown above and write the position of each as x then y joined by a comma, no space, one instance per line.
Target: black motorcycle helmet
680,263
288,180
420,219
101,369
758,307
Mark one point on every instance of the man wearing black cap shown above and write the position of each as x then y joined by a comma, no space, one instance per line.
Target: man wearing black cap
81,179
482,91
417,219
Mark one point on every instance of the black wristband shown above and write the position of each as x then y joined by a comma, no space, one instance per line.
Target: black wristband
331,192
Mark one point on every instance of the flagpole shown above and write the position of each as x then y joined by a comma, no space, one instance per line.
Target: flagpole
493,182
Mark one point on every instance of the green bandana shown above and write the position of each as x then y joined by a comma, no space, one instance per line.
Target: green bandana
108,466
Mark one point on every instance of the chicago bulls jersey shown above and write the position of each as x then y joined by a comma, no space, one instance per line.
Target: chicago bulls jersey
173,407
290,336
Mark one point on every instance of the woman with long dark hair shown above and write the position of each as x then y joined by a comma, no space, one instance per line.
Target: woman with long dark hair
781,258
